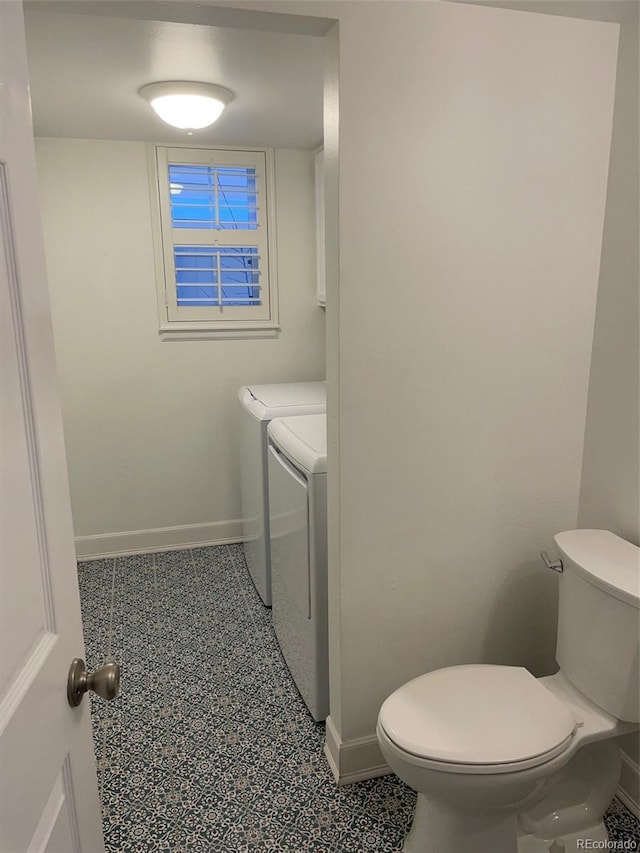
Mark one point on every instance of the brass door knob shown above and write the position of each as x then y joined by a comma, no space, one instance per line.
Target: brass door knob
105,681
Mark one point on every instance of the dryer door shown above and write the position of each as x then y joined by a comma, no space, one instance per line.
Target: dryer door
289,536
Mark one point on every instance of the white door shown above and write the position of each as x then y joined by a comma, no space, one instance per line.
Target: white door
48,788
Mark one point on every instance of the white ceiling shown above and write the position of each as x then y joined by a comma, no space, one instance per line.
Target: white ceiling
86,71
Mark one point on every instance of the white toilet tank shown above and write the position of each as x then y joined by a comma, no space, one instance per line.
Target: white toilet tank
598,646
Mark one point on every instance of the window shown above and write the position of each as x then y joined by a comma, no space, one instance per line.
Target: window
215,267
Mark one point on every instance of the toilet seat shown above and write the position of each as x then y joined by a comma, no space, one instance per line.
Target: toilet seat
478,719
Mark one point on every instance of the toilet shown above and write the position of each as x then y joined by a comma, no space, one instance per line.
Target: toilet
503,762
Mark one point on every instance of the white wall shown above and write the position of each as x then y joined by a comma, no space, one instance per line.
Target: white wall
610,491
150,425
471,212
610,495
610,487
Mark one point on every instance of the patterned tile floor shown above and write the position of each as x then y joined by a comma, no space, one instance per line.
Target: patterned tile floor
209,748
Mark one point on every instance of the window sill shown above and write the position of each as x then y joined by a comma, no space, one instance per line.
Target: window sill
204,332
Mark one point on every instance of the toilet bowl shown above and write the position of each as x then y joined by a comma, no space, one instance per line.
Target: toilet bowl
483,745
504,762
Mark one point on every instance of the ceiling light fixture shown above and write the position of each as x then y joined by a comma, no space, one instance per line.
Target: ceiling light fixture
189,106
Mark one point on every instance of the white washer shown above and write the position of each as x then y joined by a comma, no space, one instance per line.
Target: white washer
258,405
298,529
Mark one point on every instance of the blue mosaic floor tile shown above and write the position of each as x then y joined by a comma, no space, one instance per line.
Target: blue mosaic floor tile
209,748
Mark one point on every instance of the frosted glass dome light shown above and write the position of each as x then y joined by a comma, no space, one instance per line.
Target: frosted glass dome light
189,106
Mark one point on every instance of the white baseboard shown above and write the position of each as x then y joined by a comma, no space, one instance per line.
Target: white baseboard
629,787
160,539
354,760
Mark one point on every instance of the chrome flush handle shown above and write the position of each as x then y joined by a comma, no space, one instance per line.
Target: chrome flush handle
554,565
105,681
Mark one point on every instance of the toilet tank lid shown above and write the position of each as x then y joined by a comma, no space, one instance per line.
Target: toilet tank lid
605,560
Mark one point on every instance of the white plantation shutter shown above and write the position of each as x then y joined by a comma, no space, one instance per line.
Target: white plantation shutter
214,206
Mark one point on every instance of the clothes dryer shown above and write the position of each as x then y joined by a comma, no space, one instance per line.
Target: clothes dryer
258,405
298,531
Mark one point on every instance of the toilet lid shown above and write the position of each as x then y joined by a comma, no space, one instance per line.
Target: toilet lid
478,715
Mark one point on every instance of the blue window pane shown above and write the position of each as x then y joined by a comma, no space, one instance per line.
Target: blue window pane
241,296
201,269
213,197
203,297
